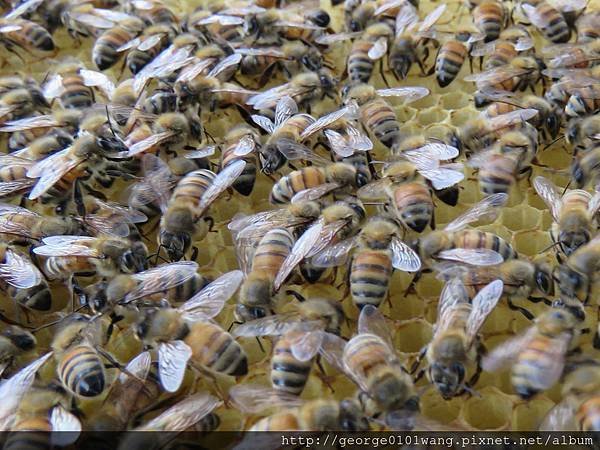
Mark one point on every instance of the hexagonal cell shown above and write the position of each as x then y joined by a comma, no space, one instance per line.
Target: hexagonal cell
426,102
434,407
491,411
555,157
499,320
440,132
455,100
460,117
521,218
405,113
531,242
429,286
434,115
412,335
528,416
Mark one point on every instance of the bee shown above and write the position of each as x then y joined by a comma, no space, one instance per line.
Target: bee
108,47
379,251
584,167
162,100
521,72
469,246
507,161
454,342
298,339
537,356
583,101
490,17
183,219
377,115
169,130
40,411
337,222
25,34
153,12
304,88
106,256
186,335
451,55
573,213
297,414
16,104
366,50
79,366
85,20
14,341
582,134
147,46
403,183
576,274
239,144
549,20
358,14
586,27
284,24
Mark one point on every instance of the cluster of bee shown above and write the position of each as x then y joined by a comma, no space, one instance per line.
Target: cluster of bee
117,172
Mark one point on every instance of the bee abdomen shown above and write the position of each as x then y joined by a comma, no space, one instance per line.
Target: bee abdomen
369,277
449,62
533,361
414,205
287,373
272,250
81,371
245,182
217,350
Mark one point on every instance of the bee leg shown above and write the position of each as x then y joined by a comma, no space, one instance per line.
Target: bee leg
266,75
522,310
418,361
323,375
411,287
213,379
382,72
194,254
114,319
539,299
596,340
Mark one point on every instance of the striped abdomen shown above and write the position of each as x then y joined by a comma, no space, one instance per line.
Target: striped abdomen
413,204
536,359
370,274
583,101
245,182
296,181
61,267
137,59
498,108
31,35
191,187
588,414
360,66
498,174
104,51
367,357
504,52
187,289
272,250
556,28
81,371
287,373
473,239
449,61
488,17
216,349
379,117
62,187
76,95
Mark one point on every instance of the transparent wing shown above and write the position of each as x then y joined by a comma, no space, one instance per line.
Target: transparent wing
149,142
314,193
138,366
535,16
552,367
409,94
328,236
511,118
293,150
406,17
274,325
403,257
167,62
161,279
429,155
472,256
224,179
228,63
548,192
29,5
19,271
150,41
483,304
443,177
91,20
497,75
98,79
184,414
255,399
332,349
334,255
301,248
172,362
286,108
209,302
488,207
191,71
357,139
13,187
560,418
203,152
305,346
62,420
28,123
67,246
432,17
507,352
246,145
375,190
338,143
264,122
378,49
51,170
328,39
323,122
130,44
372,321
452,295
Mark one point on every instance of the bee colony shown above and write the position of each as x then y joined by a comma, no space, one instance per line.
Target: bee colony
299,216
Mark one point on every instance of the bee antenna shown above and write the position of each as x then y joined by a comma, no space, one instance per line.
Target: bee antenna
566,187
554,244
554,142
296,294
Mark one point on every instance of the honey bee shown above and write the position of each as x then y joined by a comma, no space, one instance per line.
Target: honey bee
239,144
152,12
583,101
286,24
403,183
469,246
185,334
337,222
452,54
371,46
297,414
13,175
586,27
16,104
573,213
169,130
147,46
162,100
14,341
490,17
507,161
582,134
358,14
584,167
299,339
108,47
521,72
550,20
85,20
576,274
72,255
537,356
377,115
379,251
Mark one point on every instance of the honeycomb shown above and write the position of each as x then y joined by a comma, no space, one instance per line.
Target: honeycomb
524,223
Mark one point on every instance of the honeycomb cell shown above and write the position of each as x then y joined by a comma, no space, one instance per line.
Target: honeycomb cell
434,407
426,102
405,113
454,100
529,415
491,410
531,243
521,218
412,335
434,115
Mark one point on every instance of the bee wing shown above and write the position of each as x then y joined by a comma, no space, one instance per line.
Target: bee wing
130,44
19,271
138,367
387,5
409,93
67,246
406,17
472,256
246,145
429,155
301,248
50,171
372,321
338,143
404,258
66,424
328,39
323,123
452,295
593,205
264,122
274,52
507,351
443,177
553,366
13,389
221,19
28,123
378,49
93,78
432,17
91,20
483,304
274,325
53,87
254,399
161,278
375,190
13,187
560,418
203,152
58,158
120,211
332,349
568,5
150,42
240,221
109,14
167,62
209,302
293,150
7,208
191,71
488,207
483,49
306,345
334,255
9,28
225,178
184,414
29,5
269,98
496,75
548,192
172,362
328,235
228,63
286,108
149,142
314,193
358,140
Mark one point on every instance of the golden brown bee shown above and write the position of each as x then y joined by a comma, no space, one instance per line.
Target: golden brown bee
573,212
239,144
587,27
147,46
490,17
25,34
454,343
537,356
583,101
107,48
549,21
169,130
582,133
282,23
162,100
451,56
576,274
14,341
107,256
199,341
521,72
70,86
366,50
